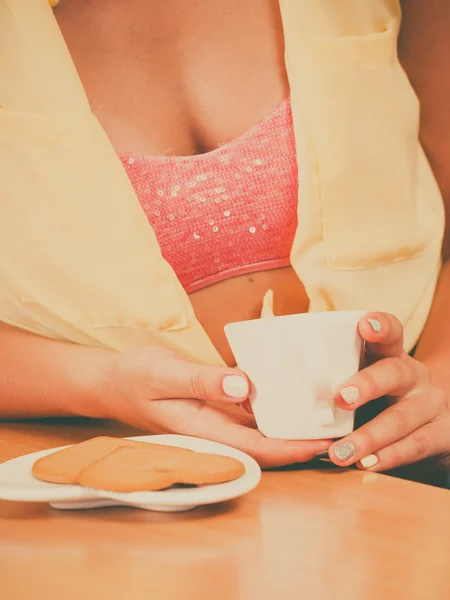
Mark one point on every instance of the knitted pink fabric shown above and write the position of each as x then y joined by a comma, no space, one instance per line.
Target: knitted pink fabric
227,212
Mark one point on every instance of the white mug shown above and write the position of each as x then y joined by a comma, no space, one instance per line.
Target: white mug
296,363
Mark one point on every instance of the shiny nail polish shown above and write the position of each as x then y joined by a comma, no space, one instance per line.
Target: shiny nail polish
349,394
323,454
376,325
235,386
369,461
344,451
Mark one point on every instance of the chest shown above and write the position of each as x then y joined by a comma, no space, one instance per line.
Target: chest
177,78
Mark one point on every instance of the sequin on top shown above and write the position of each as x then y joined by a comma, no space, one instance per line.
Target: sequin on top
228,212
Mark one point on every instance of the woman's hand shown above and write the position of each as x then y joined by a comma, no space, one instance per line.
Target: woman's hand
155,389
417,423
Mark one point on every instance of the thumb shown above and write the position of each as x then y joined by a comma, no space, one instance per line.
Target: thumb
176,377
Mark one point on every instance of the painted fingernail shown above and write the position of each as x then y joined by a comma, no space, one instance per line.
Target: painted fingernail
376,325
349,394
323,454
369,461
235,386
344,451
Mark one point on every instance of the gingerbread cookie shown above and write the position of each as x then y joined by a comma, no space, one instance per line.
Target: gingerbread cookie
65,465
132,469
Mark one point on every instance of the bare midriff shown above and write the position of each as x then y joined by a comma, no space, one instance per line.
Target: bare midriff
181,78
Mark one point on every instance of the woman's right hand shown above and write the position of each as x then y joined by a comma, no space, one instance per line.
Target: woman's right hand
155,389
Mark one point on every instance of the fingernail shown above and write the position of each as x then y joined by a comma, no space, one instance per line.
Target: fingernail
349,394
323,454
344,451
376,325
235,386
369,461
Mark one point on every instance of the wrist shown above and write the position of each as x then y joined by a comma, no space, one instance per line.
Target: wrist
91,378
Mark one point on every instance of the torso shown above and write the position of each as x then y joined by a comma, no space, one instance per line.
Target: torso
180,78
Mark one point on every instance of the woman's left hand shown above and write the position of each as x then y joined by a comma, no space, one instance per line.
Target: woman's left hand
417,423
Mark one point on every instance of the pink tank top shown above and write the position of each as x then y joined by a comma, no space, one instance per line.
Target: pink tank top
228,212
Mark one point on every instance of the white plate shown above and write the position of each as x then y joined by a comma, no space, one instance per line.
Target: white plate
18,484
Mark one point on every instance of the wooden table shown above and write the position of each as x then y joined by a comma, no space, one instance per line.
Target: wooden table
313,534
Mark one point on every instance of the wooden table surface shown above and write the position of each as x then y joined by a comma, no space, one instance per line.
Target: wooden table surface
319,534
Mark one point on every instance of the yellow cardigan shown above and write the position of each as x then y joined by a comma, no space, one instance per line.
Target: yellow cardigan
78,259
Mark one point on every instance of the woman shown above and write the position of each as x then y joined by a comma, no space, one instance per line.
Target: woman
303,175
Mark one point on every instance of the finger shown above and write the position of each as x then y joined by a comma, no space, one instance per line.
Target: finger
393,376
383,334
430,440
268,452
173,377
200,420
247,406
392,425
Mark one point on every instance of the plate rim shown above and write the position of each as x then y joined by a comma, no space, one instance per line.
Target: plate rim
211,494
